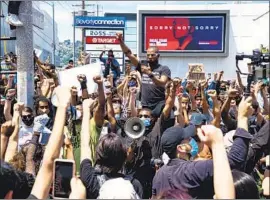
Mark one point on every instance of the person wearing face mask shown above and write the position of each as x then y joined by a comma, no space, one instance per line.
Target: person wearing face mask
26,129
148,146
154,76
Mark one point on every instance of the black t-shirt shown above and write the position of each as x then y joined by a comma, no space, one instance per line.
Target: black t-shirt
148,147
90,181
151,94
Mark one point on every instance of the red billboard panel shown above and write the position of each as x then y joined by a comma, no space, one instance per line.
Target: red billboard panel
101,40
185,33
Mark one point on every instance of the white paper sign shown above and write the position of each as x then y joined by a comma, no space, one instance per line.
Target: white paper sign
68,78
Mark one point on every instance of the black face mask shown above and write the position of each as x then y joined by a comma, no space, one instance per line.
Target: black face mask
28,121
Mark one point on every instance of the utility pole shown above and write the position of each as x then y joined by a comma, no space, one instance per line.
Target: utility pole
83,12
53,35
74,31
83,30
25,62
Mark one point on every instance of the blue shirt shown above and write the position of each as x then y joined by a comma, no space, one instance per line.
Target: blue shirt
114,67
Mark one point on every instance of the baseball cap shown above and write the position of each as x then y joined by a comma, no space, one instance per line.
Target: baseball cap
197,119
174,136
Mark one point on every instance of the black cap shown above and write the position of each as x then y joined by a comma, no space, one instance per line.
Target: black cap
174,136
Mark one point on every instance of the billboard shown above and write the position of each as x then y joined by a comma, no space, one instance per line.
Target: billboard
99,22
186,33
98,40
101,40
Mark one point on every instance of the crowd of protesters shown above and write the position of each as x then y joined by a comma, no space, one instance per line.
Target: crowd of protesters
202,139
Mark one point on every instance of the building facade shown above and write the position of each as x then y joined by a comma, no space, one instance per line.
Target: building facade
42,34
248,29
130,34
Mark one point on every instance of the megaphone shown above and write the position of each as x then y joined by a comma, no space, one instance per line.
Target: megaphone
134,128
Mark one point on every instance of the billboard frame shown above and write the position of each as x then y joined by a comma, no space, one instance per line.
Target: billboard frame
156,13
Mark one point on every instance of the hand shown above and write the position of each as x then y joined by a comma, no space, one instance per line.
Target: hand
18,107
258,86
212,93
176,82
232,93
11,77
146,70
189,84
81,78
245,109
78,190
210,135
119,37
179,96
133,90
63,95
74,91
2,102
40,123
203,83
67,141
7,128
10,94
98,80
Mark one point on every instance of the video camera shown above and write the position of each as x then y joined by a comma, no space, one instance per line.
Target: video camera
256,59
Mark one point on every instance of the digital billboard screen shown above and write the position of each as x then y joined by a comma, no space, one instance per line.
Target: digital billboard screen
184,33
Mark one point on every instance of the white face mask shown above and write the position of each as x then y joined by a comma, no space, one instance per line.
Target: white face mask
78,115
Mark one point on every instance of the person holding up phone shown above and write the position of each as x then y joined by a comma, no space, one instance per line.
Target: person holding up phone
111,65
154,76
44,177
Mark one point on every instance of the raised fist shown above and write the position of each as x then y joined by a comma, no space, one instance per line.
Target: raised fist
119,36
212,93
232,93
146,70
81,78
97,80
18,107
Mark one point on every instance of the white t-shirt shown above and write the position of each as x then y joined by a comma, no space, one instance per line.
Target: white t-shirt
25,135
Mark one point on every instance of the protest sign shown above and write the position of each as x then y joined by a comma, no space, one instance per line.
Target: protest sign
68,78
196,71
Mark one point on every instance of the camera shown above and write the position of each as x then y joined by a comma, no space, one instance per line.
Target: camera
256,58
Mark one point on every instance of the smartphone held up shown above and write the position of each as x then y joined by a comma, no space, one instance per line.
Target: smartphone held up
63,172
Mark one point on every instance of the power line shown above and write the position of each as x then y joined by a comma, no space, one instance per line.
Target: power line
42,38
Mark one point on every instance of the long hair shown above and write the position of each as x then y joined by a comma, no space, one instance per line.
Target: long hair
110,153
245,186
51,114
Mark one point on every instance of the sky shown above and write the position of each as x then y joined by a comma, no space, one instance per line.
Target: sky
64,9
